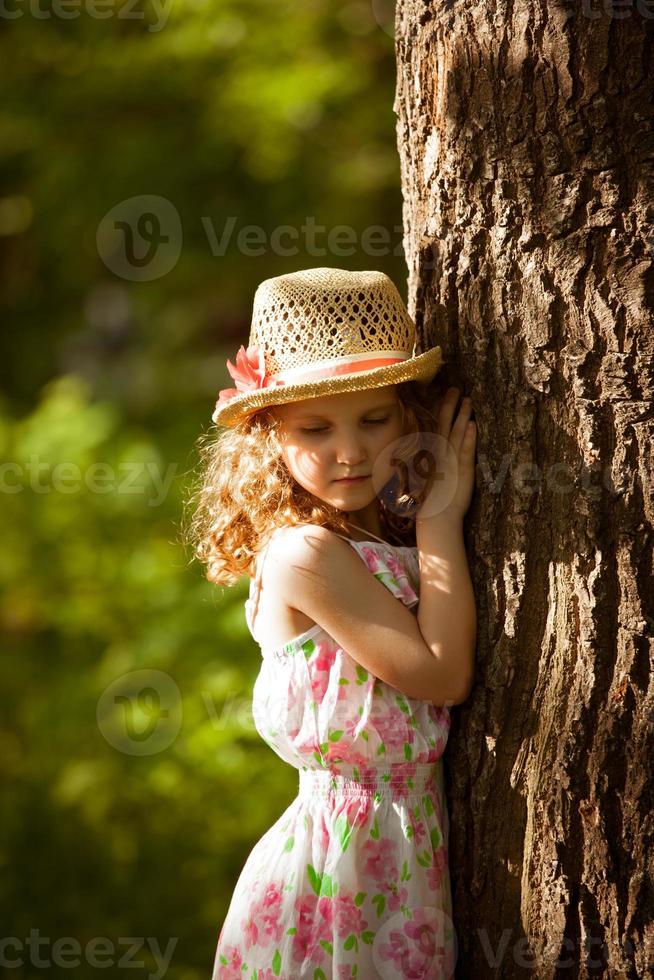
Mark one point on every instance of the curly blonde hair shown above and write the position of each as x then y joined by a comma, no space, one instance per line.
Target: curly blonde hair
245,491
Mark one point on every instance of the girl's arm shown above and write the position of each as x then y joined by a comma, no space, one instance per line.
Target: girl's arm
315,571
446,614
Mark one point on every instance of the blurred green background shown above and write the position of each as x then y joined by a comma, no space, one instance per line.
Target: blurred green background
131,142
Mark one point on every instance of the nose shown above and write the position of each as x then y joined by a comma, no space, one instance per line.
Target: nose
350,451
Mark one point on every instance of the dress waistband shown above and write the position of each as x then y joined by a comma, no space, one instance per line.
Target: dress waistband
397,780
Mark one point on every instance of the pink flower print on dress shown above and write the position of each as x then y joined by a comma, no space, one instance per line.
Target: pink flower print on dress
309,748
249,373
439,715
342,693
424,932
396,567
400,778
343,752
356,810
351,725
343,914
397,898
291,699
373,559
320,666
311,928
232,969
270,908
381,860
391,724
352,728
390,564
412,947
325,836
419,832
326,910
370,776
426,755
319,685
263,923
406,590
338,753
250,930
407,593
437,868
325,657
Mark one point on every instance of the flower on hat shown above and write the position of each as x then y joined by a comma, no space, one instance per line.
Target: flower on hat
249,373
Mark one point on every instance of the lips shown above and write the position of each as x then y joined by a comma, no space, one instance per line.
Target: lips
351,479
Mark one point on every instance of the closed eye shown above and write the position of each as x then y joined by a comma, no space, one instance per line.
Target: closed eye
367,422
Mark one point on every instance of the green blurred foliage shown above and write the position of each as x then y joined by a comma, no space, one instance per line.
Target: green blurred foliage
268,113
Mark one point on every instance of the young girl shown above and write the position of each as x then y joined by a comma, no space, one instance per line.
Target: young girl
366,636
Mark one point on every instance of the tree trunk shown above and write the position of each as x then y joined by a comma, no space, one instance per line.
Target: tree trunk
526,135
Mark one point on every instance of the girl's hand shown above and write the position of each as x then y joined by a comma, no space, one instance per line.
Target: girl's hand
450,492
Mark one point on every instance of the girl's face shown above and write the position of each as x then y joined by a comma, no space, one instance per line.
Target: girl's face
325,439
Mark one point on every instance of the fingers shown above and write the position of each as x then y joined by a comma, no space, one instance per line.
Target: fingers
469,436
460,425
460,434
446,412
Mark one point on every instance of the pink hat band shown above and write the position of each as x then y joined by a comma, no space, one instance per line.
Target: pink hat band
337,366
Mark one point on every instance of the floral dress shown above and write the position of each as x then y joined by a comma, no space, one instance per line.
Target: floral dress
352,880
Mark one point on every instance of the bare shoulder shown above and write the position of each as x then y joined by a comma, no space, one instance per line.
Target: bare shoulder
279,615
301,539
320,575
296,559
309,553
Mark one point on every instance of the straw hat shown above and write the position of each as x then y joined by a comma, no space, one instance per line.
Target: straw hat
319,332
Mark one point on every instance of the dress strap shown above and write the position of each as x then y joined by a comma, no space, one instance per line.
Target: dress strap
372,535
252,602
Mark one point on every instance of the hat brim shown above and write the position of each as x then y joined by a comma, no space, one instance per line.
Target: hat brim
423,367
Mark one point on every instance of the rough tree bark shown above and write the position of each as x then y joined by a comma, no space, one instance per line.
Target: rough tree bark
526,136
